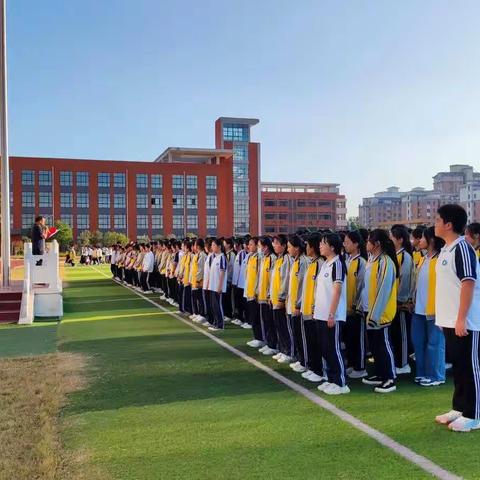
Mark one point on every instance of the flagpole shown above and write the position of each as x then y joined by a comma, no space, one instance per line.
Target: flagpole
5,171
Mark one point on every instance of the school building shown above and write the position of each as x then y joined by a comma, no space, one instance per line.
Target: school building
288,207
204,191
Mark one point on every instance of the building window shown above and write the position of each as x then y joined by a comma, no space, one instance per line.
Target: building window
82,200
192,182
119,200
103,222
28,177
28,199
269,216
66,179
45,199
119,180
142,200
211,181
156,201
142,180
67,218
177,201
270,203
45,178
177,221
120,221
240,188
82,179
103,179
211,221
241,207
28,220
142,222
312,216
269,229
211,201
156,181
103,200
157,222
235,132
240,153
192,201
283,203
301,203
192,221
48,218
83,222
240,171
66,200
177,181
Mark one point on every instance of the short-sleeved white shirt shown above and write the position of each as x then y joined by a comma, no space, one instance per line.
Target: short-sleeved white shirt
456,263
331,272
219,264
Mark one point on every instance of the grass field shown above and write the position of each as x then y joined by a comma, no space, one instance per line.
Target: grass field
162,401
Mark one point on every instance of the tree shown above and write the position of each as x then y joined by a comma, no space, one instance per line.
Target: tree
85,238
112,238
122,239
64,235
96,238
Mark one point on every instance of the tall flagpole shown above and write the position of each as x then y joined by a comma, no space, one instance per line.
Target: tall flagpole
5,171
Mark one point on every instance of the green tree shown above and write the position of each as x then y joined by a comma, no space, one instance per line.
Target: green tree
64,235
96,238
122,239
84,238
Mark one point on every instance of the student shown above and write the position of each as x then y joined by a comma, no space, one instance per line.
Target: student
249,292
185,280
207,300
263,329
401,324
238,281
379,304
228,297
427,338
311,343
354,332
147,268
296,250
330,313
172,280
217,283
278,297
472,236
415,240
457,312
196,279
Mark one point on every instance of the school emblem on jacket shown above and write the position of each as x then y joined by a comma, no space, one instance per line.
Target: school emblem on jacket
326,275
444,262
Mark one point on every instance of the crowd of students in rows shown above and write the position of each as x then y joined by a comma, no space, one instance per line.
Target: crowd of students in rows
326,302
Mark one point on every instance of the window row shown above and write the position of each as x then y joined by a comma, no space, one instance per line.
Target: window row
117,180
298,203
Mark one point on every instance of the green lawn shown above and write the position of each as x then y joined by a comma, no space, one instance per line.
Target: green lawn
165,402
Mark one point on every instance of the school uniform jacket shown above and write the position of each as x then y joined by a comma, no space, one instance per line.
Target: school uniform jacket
355,281
406,277
431,287
280,279
295,283
308,288
251,272
197,269
230,256
237,266
265,263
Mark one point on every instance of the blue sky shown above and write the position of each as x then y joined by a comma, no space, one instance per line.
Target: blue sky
363,93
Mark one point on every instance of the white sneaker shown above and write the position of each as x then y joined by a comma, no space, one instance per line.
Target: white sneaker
306,373
315,378
236,321
284,359
261,350
448,417
175,304
277,356
227,320
357,374
201,319
334,389
246,326
270,351
349,370
293,365
206,323
148,292
214,329
324,386
448,366
404,370
463,424
163,297
300,368
255,343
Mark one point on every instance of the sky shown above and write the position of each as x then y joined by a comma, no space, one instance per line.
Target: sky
367,94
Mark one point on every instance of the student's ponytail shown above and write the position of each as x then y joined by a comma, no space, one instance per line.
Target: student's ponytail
386,245
400,232
314,243
357,238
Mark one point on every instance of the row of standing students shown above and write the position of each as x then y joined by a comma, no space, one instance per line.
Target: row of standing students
323,303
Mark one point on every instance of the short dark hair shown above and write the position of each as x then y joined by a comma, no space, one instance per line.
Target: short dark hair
417,232
39,218
454,214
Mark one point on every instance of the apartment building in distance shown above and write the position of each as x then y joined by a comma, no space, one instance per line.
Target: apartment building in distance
461,184
288,207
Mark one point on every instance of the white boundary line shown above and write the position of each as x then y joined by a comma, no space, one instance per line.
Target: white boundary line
405,452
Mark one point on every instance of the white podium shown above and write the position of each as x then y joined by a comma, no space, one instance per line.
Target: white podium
43,284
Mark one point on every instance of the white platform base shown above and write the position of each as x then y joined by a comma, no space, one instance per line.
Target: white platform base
48,305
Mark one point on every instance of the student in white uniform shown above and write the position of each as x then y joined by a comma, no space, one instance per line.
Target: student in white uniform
207,301
330,312
147,268
238,281
228,297
217,283
457,312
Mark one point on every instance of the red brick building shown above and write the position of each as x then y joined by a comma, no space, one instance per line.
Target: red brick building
287,207
185,190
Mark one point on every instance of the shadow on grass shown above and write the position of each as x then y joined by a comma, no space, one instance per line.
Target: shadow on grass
161,369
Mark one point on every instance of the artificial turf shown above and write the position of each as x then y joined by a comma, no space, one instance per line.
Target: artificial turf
165,402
